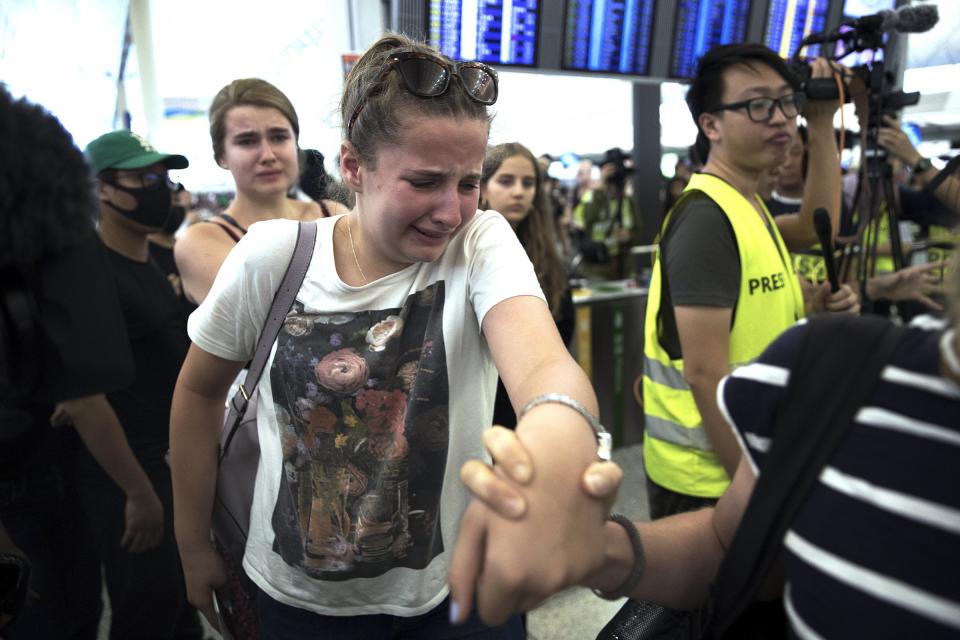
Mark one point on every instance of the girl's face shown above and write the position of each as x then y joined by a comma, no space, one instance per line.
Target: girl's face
421,191
511,189
260,150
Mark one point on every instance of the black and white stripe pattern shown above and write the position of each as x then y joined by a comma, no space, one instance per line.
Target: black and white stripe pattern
875,550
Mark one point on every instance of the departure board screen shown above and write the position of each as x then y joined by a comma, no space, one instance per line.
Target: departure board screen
611,36
702,24
790,21
491,31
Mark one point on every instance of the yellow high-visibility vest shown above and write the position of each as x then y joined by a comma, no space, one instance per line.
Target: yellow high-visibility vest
676,451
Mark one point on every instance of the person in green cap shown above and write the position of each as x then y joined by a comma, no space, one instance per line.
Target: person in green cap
143,576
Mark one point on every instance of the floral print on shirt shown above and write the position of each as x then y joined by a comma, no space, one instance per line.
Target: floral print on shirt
362,407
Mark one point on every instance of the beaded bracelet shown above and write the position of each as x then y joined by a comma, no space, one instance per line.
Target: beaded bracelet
639,560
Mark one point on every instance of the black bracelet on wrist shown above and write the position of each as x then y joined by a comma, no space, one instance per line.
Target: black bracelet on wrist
639,560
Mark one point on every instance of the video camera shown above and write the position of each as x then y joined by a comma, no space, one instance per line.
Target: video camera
861,34
894,101
618,159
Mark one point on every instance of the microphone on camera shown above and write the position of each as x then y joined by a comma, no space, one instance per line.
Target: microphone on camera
916,19
903,20
821,224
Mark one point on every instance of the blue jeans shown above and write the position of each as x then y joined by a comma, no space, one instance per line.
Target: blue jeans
279,621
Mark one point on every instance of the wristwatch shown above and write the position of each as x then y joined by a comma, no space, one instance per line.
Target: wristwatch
923,164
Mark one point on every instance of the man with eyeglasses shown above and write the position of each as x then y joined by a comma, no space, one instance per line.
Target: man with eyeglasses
143,576
723,286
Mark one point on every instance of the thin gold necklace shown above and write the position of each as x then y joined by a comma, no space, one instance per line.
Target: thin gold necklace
353,249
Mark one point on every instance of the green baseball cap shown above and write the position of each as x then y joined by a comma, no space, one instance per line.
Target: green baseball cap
126,150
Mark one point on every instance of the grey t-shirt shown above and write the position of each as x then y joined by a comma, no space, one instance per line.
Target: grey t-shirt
701,262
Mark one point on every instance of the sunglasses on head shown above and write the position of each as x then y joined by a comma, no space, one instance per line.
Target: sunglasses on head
428,77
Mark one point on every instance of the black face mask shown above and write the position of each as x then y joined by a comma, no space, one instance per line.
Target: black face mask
153,205
174,220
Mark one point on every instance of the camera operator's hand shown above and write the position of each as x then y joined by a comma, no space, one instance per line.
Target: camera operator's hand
844,300
912,283
143,516
892,138
607,172
822,110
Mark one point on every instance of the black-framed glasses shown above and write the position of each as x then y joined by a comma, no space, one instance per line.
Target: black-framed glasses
149,180
428,77
761,109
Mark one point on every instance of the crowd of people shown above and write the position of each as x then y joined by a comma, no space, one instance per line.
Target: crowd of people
436,304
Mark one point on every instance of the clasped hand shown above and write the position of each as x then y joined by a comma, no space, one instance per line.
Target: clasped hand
535,528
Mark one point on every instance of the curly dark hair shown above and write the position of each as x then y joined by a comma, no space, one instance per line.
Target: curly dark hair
47,199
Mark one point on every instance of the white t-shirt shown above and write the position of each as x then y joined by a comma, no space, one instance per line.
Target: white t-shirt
372,400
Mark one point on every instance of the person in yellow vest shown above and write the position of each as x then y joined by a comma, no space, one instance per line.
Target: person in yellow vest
605,216
723,286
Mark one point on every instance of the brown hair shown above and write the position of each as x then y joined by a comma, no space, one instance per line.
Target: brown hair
537,231
252,92
387,100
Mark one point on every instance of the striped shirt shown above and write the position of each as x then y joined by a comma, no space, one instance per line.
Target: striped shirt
875,550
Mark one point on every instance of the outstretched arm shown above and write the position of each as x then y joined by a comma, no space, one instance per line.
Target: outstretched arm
912,283
516,561
682,552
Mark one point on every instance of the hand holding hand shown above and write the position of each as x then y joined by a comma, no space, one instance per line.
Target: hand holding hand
498,487
143,516
526,537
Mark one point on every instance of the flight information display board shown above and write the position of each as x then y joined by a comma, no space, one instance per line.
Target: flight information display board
609,36
491,31
702,24
790,21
